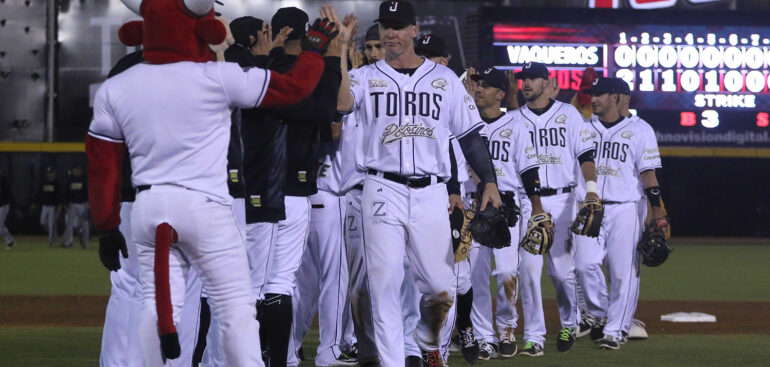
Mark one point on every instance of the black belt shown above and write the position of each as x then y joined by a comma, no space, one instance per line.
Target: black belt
141,188
551,192
607,202
409,182
358,187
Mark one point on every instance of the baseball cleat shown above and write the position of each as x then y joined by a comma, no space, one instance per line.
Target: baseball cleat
609,342
597,332
432,359
637,331
469,345
586,323
508,344
487,351
531,349
9,245
454,344
566,340
413,361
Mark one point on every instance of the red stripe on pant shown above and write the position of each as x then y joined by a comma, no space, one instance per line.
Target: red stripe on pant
169,339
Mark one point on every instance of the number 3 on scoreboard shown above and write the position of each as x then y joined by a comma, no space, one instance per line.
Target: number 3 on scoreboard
710,118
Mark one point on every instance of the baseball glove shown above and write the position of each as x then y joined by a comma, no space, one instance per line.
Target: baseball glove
319,36
490,228
589,218
461,235
538,239
653,247
510,209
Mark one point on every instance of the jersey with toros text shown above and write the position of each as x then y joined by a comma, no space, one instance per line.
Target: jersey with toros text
407,120
185,143
623,152
559,137
511,150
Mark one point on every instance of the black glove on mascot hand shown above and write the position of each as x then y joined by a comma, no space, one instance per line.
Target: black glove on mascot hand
110,243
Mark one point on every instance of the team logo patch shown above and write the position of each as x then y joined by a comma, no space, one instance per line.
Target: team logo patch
302,176
499,171
76,186
607,171
506,133
529,149
548,159
394,132
471,107
377,83
439,84
255,200
561,119
467,99
591,136
627,134
233,175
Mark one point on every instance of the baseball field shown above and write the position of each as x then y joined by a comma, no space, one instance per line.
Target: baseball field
52,304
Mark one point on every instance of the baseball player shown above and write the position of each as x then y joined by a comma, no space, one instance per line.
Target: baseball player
182,197
5,200
627,157
561,143
77,208
408,107
434,48
373,51
49,204
516,167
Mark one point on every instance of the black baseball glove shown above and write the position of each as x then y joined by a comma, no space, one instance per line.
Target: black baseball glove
490,228
589,218
653,247
510,209
319,36
110,244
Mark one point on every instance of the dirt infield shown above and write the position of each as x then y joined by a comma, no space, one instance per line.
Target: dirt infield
732,317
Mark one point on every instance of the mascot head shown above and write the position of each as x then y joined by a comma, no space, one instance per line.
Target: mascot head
582,100
173,30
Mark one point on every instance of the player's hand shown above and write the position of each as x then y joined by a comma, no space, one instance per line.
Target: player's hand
343,26
356,57
455,201
490,196
264,40
321,33
468,83
547,224
110,244
511,97
592,195
280,38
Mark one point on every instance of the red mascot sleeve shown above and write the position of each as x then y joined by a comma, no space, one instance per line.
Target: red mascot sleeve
297,84
105,159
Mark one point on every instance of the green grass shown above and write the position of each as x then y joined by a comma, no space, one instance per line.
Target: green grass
33,268
77,347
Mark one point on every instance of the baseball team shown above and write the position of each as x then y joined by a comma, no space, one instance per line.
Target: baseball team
248,176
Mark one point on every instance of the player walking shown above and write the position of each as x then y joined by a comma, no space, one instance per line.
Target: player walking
49,204
408,108
560,139
627,157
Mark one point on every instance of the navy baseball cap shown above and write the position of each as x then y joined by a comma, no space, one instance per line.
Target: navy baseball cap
291,17
431,45
373,33
603,85
244,27
493,77
533,70
397,12
621,86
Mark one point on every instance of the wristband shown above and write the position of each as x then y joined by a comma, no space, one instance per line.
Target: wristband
591,186
653,195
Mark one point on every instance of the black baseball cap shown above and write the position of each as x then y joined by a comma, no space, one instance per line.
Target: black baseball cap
533,70
291,17
244,27
493,77
603,85
373,33
621,86
431,45
398,12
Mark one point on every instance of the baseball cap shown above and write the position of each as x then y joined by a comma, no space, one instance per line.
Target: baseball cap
244,27
431,45
533,70
603,85
399,12
373,33
621,86
493,77
291,17
49,169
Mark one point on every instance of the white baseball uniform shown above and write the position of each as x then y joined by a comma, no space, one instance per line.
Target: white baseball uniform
623,152
560,137
407,121
512,153
178,150
322,278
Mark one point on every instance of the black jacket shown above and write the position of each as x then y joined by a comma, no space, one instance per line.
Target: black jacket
77,189
50,193
5,191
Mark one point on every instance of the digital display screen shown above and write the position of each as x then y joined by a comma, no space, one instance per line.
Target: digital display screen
687,77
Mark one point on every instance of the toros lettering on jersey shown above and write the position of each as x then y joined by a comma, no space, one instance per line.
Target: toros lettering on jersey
612,150
550,137
415,104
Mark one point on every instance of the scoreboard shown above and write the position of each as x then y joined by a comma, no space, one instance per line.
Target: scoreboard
698,79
